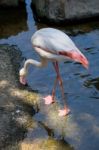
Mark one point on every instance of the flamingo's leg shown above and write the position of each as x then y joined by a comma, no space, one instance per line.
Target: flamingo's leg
66,110
51,99
55,83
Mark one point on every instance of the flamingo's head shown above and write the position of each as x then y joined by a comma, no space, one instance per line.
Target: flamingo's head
22,76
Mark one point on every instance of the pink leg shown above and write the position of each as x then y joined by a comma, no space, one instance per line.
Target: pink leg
55,83
51,99
66,110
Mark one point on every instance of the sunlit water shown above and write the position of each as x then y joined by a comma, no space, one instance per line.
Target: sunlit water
81,85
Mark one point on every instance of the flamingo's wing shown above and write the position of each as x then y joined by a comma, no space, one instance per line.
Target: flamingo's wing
53,40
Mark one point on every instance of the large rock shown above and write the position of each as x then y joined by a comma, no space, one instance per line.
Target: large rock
64,10
16,103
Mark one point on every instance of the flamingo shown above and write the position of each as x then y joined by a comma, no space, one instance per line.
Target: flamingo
55,46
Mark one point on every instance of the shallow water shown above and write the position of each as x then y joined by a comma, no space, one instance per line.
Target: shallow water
81,85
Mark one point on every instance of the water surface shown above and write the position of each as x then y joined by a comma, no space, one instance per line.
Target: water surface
81,85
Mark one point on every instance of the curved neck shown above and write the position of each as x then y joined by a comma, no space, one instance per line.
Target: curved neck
35,63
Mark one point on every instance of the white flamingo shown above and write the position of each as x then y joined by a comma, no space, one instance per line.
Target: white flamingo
53,45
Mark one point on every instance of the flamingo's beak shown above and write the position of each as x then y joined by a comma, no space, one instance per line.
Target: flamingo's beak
83,60
23,80
79,57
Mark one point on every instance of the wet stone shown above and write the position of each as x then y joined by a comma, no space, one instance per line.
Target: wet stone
16,104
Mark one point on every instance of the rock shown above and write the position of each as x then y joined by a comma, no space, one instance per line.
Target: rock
48,144
65,10
16,104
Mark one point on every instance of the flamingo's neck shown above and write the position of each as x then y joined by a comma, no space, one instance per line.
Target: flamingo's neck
35,63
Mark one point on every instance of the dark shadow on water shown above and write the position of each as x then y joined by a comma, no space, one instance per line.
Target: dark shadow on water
73,29
12,21
92,82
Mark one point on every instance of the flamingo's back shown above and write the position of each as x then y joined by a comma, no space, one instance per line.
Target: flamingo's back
53,40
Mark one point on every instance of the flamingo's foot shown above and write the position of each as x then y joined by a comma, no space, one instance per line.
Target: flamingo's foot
48,100
64,112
